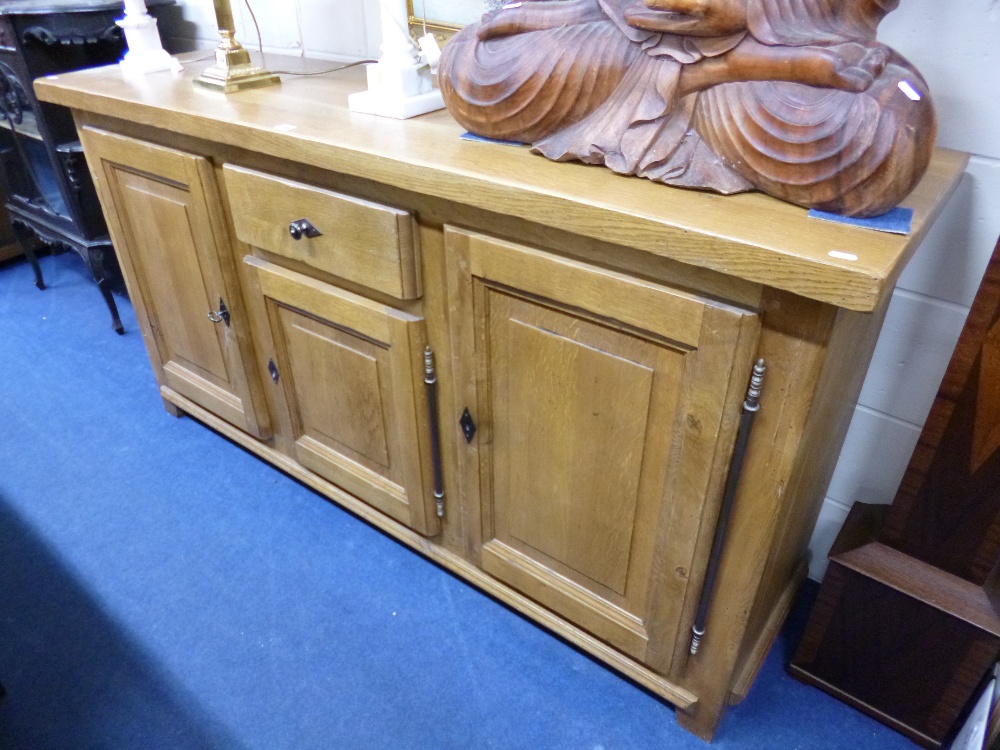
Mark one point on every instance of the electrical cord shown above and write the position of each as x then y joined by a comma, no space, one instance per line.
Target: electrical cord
294,72
198,60
323,72
260,49
253,17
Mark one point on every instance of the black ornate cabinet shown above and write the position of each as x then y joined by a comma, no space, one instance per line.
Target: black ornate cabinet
48,187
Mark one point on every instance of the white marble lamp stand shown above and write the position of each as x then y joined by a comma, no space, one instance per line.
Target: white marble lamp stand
145,49
400,84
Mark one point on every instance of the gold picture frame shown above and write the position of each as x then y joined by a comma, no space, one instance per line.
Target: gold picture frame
442,28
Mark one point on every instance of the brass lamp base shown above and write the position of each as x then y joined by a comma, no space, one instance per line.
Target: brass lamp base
233,70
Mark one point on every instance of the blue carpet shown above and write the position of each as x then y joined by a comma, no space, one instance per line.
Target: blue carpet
162,588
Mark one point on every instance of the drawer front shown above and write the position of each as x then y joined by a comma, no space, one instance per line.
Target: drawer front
358,240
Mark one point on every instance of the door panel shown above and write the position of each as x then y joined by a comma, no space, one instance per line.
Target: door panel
351,379
595,435
170,263
165,220
607,410
340,371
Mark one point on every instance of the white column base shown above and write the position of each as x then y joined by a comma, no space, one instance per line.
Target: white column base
400,88
133,64
145,50
401,108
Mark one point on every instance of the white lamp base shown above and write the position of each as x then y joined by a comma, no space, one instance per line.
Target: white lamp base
396,90
401,108
145,50
133,64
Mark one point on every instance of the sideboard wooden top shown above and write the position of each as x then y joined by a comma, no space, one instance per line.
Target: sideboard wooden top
306,119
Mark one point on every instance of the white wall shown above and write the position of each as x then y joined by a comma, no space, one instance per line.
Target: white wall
955,45
343,30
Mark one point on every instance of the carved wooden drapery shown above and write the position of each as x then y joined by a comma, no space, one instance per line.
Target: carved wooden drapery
791,97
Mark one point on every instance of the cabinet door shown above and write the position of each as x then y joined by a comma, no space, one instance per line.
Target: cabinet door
164,215
351,374
606,409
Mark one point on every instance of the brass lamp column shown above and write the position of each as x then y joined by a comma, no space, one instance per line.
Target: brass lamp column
233,70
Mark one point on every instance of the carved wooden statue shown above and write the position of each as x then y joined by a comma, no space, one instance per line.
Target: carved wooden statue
791,97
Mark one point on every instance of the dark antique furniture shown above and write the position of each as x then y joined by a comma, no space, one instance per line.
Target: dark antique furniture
9,247
48,187
906,626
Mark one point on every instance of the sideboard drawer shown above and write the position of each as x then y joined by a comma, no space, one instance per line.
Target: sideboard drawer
358,240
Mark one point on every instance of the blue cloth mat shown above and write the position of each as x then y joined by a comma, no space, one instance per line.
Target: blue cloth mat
467,136
897,220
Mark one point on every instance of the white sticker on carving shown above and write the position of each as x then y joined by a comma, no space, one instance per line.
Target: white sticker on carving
907,88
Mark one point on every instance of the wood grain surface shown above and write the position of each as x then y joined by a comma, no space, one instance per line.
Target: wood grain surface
359,240
906,627
897,638
347,368
751,237
947,509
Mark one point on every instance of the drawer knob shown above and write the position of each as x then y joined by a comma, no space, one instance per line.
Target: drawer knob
303,228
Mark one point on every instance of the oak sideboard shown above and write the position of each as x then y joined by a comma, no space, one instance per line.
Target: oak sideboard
530,372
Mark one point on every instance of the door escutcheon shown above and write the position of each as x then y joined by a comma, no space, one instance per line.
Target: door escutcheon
468,425
220,315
